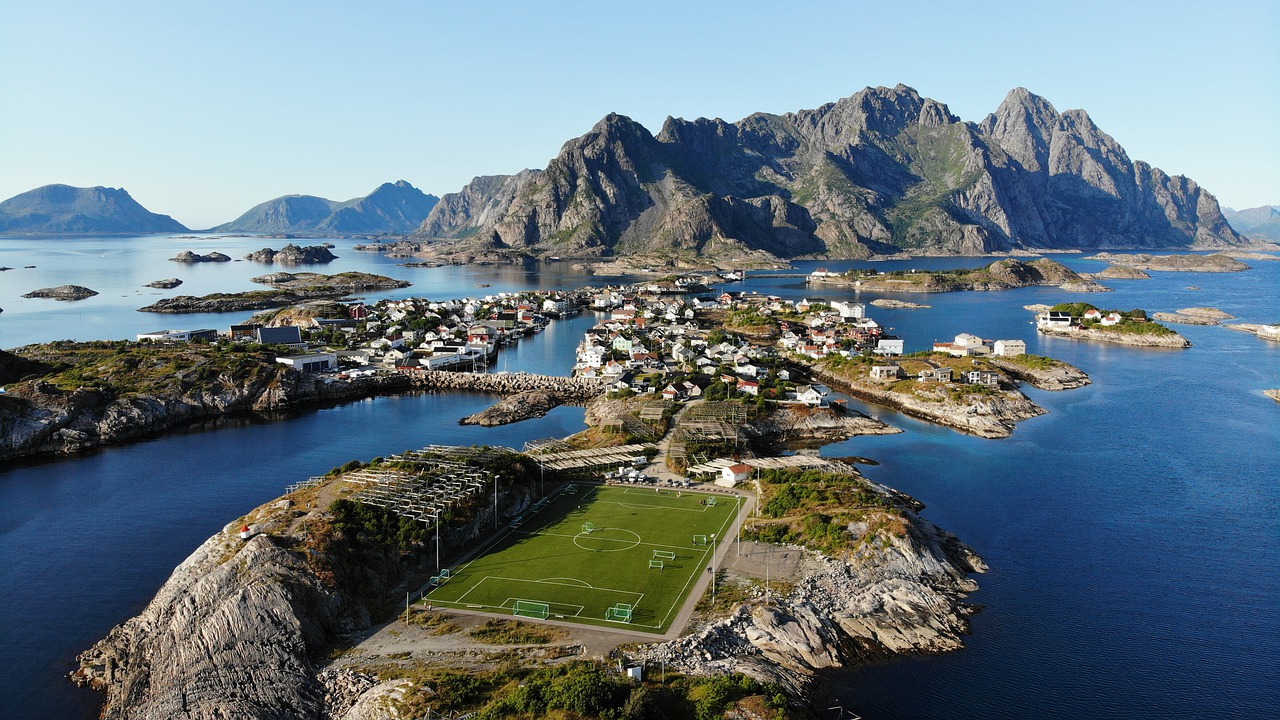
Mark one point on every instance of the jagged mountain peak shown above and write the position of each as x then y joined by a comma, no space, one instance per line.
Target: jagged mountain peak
880,170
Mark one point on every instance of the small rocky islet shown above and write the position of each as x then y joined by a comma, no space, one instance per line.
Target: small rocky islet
292,254
189,257
62,292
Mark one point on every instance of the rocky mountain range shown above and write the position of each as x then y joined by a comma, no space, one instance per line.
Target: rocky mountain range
1260,223
64,210
391,209
883,171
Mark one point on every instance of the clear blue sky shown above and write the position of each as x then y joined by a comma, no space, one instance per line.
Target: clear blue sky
202,110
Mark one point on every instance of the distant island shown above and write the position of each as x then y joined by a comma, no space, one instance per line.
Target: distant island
66,210
1000,275
1218,262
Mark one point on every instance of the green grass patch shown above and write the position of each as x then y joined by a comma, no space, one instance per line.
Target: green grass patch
579,574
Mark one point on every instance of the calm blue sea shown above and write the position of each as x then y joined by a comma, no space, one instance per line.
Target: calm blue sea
1132,532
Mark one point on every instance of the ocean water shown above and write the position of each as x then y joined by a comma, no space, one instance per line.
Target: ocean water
1132,532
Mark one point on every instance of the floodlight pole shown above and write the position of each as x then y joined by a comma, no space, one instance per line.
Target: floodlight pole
739,517
437,542
713,570
495,502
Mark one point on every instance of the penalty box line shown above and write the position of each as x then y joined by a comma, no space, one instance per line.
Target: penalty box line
637,595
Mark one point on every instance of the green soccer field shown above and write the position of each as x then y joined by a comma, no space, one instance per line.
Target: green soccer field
602,547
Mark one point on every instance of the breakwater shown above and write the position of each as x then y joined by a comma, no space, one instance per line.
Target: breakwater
570,389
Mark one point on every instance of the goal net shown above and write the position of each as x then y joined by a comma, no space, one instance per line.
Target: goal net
619,613
531,609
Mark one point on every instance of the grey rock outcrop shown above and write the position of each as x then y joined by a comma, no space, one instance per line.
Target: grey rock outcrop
166,284
62,292
881,171
901,594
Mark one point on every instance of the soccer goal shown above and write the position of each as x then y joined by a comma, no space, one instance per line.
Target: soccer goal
445,573
588,528
655,564
531,609
619,613
711,502
664,555
699,539
572,489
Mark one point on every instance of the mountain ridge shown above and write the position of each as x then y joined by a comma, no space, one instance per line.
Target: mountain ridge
882,171
391,209
1258,223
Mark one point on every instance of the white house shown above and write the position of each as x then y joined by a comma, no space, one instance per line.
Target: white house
1010,348
849,309
734,474
888,345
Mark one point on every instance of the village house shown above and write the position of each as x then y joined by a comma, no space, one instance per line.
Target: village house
1010,348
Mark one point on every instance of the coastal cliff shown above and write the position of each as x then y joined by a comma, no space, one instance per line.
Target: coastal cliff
79,396
241,627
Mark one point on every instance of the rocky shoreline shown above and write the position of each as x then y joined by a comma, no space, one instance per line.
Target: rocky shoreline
1058,376
1264,332
1172,340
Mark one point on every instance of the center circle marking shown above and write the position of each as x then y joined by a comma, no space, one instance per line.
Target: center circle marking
587,541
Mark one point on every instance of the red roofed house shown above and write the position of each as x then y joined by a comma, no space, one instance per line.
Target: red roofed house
734,474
